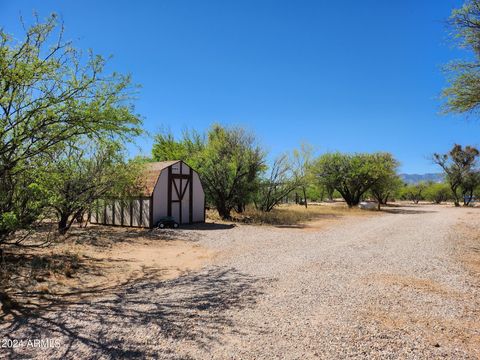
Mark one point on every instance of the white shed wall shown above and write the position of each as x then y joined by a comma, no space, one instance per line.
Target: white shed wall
136,212
145,212
186,204
198,199
109,213
126,213
118,212
160,197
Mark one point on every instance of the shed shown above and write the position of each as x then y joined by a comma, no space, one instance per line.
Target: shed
171,188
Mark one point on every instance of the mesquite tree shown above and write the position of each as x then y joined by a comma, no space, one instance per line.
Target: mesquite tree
414,192
470,182
437,192
352,175
385,188
82,173
459,167
49,94
463,93
280,182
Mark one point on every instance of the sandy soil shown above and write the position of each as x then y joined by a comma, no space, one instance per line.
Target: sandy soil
173,259
95,258
404,284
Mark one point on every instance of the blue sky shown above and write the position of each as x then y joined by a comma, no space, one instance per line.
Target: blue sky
342,75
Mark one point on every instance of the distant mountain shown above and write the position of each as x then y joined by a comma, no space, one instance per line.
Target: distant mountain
416,178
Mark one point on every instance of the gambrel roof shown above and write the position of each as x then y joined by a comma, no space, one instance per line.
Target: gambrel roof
152,173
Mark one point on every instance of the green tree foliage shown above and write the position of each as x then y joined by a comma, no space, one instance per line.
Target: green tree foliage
82,173
470,182
414,192
476,192
288,173
50,94
463,93
352,175
21,200
459,166
386,187
228,160
302,169
437,192
281,181
315,192
166,147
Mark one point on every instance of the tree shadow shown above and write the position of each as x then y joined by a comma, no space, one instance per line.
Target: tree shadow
308,223
394,205
106,236
128,320
406,211
291,226
207,226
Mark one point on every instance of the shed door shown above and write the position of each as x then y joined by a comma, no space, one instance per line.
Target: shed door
180,204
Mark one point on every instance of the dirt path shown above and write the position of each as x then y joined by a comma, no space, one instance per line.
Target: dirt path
387,286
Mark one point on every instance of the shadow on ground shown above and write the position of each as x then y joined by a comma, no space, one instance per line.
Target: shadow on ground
307,224
129,320
208,226
406,211
106,236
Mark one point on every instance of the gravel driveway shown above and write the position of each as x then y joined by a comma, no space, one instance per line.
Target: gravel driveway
387,286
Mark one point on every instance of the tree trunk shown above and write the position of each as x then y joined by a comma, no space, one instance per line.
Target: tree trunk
350,202
223,211
240,208
305,197
79,218
468,198
350,199
89,216
385,200
355,199
455,196
63,224
330,194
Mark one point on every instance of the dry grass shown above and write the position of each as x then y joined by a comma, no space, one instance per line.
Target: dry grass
415,284
438,331
291,214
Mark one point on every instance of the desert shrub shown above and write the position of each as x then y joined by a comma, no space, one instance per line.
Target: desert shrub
413,192
437,192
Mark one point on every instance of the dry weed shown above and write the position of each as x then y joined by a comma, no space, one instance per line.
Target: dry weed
290,214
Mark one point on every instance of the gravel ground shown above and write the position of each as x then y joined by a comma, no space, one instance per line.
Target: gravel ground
388,286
